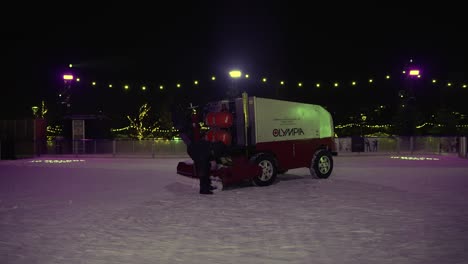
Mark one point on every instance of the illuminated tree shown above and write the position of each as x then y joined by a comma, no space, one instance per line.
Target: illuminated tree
446,121
43,111
141,126
35,110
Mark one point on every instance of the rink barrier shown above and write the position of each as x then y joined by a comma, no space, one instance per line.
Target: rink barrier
153,148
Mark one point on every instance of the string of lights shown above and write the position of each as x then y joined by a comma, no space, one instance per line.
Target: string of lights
147,85
307,82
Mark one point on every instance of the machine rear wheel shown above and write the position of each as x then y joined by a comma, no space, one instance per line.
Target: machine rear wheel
322,164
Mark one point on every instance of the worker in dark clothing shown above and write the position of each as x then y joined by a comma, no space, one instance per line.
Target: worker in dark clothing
201,151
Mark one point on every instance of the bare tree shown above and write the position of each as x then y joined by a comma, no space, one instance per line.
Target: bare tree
43,111
142,125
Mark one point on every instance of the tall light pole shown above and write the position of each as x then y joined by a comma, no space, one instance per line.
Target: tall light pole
233,91
64,96
413,75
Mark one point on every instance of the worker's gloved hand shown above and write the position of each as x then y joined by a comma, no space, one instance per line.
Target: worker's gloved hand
227,161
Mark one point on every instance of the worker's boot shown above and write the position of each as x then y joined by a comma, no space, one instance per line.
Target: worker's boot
205,181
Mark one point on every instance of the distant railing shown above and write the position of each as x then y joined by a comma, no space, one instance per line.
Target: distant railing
409,144
118,147
156,147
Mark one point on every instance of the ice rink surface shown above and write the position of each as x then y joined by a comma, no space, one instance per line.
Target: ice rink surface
373,209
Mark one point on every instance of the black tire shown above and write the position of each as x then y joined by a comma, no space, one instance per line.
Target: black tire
269,171
322,164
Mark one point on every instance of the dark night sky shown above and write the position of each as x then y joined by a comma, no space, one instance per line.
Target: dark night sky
185,40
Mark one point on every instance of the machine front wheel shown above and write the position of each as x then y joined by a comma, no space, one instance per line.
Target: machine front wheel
269,171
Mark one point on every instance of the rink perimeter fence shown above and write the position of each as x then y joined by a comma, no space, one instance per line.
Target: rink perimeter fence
154,148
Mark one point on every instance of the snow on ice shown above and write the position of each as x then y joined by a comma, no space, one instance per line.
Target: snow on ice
373,209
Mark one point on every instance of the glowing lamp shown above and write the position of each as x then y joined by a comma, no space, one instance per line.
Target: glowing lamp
235,74
68,77
414,72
